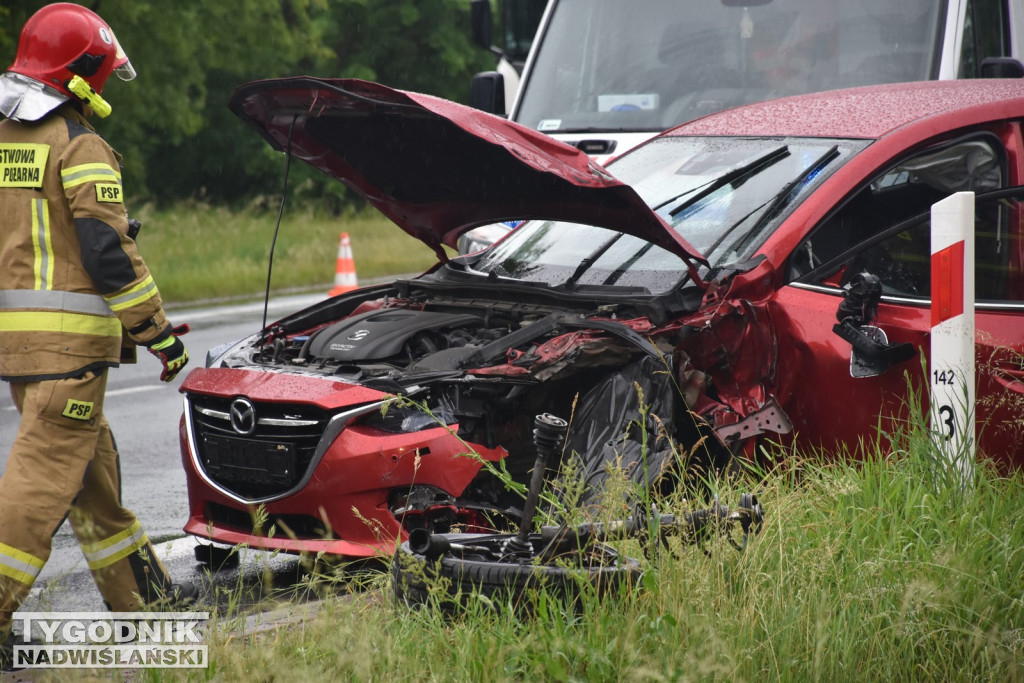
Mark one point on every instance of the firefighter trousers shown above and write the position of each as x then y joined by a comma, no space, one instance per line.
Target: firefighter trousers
64,465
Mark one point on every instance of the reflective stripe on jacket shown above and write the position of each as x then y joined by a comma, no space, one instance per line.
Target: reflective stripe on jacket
70,276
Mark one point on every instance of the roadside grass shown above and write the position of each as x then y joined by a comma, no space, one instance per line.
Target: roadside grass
864,571
198,252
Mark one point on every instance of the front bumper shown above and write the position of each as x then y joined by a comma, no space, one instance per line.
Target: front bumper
307,477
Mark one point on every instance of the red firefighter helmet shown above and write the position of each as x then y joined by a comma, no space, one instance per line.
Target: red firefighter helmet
63,40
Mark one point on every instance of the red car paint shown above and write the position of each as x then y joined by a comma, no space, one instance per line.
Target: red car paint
740,352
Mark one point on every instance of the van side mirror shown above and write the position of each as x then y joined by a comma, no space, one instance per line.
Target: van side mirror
487,92
1001,67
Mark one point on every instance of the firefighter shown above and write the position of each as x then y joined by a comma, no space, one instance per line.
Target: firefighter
72,286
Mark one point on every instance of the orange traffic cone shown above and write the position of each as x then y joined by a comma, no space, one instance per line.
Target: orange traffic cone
345,272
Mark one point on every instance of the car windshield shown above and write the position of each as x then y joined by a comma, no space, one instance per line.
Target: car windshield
723,195
606,65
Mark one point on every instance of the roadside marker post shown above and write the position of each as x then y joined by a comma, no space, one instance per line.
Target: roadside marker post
952,334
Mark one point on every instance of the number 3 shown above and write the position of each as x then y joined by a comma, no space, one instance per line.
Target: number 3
946,415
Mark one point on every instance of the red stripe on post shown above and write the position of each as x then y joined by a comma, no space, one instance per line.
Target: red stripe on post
948,283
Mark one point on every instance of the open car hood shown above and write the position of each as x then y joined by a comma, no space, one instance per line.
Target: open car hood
437,168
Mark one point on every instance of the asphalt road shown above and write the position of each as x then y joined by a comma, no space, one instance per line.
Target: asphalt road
143,413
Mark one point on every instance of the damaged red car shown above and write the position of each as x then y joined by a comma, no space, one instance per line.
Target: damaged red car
704,294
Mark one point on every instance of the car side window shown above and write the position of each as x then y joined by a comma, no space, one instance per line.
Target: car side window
976,163
902,260
901,255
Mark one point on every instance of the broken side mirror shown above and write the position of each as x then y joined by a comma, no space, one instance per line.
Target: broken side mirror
871,352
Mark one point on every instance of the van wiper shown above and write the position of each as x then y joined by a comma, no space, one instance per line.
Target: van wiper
781,199
605,129
729,178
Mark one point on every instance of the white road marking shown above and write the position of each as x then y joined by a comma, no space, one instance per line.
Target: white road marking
114,392
134,390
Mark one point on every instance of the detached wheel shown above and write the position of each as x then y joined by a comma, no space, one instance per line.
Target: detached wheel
475,565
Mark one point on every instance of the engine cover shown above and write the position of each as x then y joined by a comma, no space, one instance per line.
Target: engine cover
377,335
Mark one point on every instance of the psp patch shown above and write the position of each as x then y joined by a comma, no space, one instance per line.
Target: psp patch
78,410
109,193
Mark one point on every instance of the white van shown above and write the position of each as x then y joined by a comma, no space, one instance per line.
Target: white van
606,75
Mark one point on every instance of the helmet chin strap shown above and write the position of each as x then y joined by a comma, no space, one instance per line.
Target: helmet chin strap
84,92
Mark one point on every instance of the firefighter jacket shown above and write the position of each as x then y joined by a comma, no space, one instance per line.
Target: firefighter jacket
70,276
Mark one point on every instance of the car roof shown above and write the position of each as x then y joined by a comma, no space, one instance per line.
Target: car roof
869,112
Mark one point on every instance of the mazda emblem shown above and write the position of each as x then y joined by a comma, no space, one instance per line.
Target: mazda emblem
358,334
243,416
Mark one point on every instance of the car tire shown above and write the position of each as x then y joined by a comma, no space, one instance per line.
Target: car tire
453,581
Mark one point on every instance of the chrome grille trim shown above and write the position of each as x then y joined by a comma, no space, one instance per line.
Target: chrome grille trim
335,425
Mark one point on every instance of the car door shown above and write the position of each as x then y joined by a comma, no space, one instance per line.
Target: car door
884,230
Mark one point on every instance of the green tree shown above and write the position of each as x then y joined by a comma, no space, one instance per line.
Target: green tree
419,45
172,123
190,55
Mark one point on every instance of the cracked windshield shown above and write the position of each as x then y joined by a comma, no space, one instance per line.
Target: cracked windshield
723,195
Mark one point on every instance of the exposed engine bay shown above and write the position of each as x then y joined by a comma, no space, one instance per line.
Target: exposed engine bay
404,340
489,366
387,333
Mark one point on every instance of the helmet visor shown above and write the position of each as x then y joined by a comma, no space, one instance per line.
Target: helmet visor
125,72
124,69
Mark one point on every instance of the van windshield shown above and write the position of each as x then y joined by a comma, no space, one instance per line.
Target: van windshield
607,65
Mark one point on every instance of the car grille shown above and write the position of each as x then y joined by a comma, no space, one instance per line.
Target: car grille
270,460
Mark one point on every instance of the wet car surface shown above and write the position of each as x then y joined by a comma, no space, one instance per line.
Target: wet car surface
677,308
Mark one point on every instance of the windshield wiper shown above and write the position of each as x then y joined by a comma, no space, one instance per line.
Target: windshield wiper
622,269
781,198
729,178
585,264
784,197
